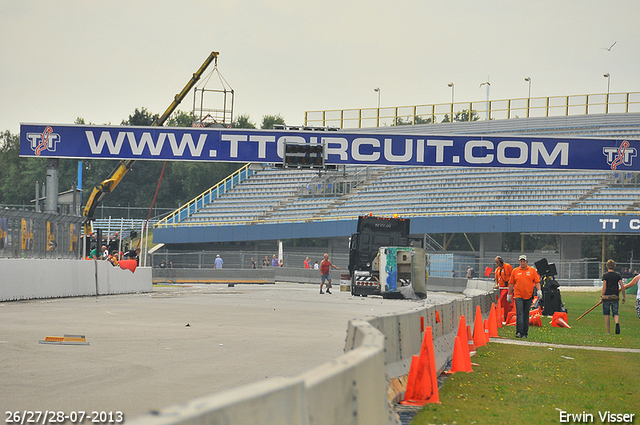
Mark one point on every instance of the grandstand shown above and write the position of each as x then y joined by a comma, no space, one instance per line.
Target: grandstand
277,195
274,195
270,203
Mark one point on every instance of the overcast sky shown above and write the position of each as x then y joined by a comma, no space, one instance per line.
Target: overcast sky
63,59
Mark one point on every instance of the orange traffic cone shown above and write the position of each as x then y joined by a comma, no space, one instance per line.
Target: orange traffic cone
535,320
409,392
538,321
479,339
437,316
535,312
425,386
493,325
461,361
462,327
499,314
472,346
512,318
486,331
560,320
129,265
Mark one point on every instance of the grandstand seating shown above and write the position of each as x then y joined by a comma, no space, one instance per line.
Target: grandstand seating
127,225
276,194
255,198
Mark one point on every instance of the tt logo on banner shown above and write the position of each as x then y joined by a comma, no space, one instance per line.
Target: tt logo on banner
622,155
46,140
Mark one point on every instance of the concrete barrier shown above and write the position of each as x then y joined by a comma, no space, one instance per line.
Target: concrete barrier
286,274
350,389
24,279
265,275
271,402
299,275
225,276
446,284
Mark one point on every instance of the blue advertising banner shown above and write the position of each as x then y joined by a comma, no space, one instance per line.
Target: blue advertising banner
267,146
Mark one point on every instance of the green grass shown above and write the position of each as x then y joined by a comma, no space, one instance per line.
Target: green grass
590,330
527,384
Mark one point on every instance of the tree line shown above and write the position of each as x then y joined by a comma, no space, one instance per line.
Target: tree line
182,181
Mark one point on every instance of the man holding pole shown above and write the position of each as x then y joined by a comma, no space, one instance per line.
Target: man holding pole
611,287
521,284
628,285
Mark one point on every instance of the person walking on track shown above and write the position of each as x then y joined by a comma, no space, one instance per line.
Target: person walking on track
325,267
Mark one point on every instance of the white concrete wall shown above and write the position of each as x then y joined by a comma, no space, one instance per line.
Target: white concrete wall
272,402
351,389
23,279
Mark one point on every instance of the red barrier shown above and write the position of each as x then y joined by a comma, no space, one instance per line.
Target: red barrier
129,265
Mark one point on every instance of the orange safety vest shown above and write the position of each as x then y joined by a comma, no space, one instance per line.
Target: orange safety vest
503,273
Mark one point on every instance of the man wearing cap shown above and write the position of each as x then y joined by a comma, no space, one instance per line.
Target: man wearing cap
521,284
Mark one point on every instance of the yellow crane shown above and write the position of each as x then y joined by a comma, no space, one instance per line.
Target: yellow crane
107,186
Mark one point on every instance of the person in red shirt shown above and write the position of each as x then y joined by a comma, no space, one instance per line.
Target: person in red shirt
325,267
306,263
521,284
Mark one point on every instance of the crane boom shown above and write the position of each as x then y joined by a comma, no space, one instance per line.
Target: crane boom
107,186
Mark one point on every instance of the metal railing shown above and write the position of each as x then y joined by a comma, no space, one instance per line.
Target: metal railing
308,219
206,197
32,234
331,184
576,272
584,104
243,259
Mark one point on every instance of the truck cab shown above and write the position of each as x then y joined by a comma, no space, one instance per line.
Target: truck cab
372,233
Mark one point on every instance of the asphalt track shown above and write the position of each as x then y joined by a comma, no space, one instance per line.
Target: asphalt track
149,351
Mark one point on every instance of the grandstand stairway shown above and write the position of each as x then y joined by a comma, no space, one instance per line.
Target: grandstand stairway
372,177
633,207
267,214
581,199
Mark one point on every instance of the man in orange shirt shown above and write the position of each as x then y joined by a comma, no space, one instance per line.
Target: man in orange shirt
521,284
502,274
